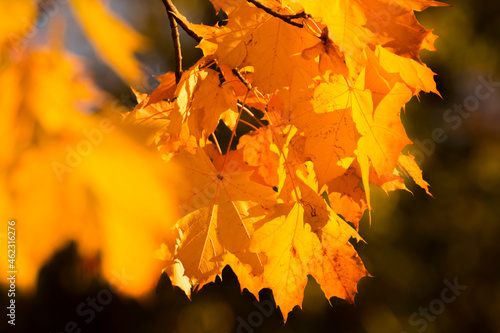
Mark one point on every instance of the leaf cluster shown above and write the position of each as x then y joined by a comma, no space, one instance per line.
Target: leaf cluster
321,86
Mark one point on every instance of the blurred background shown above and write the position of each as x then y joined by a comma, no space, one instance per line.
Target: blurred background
417,247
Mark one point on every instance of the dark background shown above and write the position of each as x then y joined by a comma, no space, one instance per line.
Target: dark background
414,244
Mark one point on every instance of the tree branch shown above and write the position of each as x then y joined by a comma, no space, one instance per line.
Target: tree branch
169,6
180,20
286,18
242,79
185,27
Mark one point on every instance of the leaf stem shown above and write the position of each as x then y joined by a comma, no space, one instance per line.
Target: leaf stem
216,143
233,134
249,124
261,124
237,73
286,18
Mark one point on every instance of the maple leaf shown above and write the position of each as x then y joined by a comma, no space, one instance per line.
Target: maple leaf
294,251
232,38
271,140
211,100
257,152
306,237
417,76
165,90
346,196
330,56
254,37
411,169
218,209
274,58
383,135
331,101
329,131
353,25
200,100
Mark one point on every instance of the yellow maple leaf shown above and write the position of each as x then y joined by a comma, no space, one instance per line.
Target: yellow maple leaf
417,76
274,58
323,84
306,237
376,108
232,38
218,208
353,25
201,100
330,132
257,151
410,168
346,197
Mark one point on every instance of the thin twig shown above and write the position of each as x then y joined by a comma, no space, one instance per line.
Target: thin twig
175,37
233,133
185,27
179,19
242,79
249,124
261,124
286,18
216,143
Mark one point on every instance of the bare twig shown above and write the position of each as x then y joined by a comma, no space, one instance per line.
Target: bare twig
242,79
286,18
169,6
180,20
185,27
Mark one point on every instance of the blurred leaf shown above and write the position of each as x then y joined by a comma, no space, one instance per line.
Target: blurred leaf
114,40
19,20
67,176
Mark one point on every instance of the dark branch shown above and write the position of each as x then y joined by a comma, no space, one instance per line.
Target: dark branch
169,6
184,25
242,79
286,18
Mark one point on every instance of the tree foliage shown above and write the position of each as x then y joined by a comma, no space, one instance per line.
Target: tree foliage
311,94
